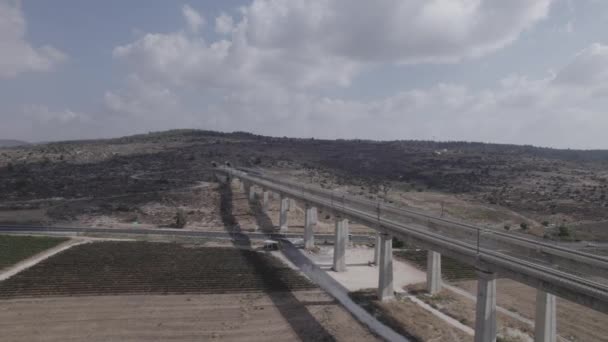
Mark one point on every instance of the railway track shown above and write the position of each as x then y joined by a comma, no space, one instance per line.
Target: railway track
536,273
511,238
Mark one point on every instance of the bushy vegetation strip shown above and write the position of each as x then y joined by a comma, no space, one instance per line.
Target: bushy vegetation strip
16,248
160,268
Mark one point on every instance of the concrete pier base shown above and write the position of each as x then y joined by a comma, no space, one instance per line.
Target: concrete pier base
377,250
545,326
340,242
310,222
433,272
485,316
385,268
241,185
283,214
265,200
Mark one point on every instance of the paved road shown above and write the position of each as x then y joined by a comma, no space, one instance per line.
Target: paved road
174,232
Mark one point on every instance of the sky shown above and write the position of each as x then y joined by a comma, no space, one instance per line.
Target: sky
518,71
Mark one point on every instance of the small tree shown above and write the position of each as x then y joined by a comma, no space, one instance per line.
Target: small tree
398,243
563,231
385,188
507,227
524,226
180,219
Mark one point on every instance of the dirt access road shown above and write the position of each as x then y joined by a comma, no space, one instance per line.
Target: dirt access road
234,317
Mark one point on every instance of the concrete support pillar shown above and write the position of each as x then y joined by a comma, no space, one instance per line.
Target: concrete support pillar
385,268
340,241
223,179
377,250
310,222
291,206
265,200
283,214
545,326
251,192
485,318
241,185
433,272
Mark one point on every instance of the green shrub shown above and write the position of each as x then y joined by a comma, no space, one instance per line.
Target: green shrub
180,219
398,243
563,231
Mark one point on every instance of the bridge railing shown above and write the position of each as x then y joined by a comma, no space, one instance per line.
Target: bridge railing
544,252
540,275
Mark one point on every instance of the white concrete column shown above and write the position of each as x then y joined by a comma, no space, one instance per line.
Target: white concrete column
265,200
433,272
291,206
309,226
283,214
545,326
385,268
377,250
241,185
340,241
485,318
251,192
222,178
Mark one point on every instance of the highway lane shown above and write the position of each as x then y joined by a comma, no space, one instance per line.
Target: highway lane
175,232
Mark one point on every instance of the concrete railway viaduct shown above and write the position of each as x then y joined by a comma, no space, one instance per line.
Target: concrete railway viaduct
552,269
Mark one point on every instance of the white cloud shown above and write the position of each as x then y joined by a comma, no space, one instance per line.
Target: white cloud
142,99
224,24
300,43
556,110
589,67
569,28
45,115
269,73
17,55
35,122
181,59
194,19
404,31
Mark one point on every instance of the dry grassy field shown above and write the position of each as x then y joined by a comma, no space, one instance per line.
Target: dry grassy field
141,291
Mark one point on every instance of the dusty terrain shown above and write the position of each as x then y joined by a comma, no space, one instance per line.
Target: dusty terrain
307,316
206,293
360,274
145,180
165,180
410,319
574,322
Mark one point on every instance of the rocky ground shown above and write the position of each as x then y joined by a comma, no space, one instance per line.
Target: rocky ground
303,315
147,179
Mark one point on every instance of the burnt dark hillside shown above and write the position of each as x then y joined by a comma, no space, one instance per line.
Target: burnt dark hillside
521,177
